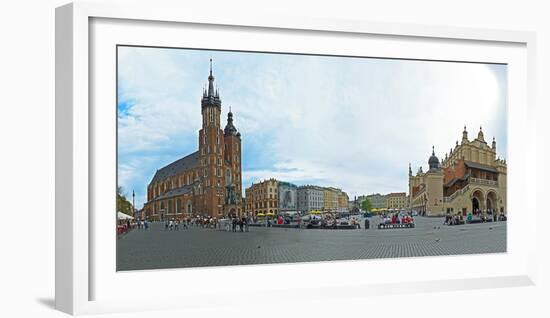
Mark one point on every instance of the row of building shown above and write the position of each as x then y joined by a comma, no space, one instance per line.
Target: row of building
470,178
274,197
394,200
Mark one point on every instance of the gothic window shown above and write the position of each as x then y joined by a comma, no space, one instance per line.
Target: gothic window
228,177
205,172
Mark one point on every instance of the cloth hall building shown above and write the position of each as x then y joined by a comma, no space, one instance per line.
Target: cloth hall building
471,178
207,182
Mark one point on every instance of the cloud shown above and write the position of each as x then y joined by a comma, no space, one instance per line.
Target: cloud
352,123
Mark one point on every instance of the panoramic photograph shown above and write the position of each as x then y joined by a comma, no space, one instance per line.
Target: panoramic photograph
229,158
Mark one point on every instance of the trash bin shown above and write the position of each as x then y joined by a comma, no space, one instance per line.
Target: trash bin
367,224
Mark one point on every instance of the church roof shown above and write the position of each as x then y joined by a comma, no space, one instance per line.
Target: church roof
176,192
479,166
184,164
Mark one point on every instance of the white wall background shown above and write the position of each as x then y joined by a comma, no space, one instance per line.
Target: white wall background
27,154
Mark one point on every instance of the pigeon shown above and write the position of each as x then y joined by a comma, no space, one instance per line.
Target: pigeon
437,240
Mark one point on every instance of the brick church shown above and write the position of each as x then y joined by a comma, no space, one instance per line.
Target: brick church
206,182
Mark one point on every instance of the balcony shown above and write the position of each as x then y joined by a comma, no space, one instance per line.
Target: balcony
486,182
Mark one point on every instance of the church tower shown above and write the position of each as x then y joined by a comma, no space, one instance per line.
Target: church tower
211,152
233,176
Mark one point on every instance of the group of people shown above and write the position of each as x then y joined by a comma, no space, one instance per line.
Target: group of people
127,225
174,224
240,224
142,224
394,218
455,219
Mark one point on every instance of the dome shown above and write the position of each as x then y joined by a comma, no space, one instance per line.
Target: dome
433,162
230,129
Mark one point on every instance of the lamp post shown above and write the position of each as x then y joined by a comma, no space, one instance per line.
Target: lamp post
133,203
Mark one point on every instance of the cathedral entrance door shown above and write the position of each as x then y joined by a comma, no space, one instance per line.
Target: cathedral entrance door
475,205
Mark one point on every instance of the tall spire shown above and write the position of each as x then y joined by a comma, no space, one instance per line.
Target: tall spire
211,81
211,96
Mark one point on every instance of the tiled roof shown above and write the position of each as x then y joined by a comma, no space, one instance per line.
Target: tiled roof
479,166
176,192
186,163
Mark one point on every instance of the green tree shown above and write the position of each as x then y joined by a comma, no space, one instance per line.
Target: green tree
366,205
122,204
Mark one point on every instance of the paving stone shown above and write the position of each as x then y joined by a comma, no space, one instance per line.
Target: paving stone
157,248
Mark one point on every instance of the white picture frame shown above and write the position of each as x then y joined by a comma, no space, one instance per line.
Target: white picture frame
75,268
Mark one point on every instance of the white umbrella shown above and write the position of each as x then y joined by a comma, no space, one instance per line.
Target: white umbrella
122,216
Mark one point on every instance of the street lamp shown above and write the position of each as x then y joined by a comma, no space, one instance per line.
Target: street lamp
133,203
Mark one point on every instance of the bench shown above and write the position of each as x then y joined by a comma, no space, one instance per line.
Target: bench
478,221
382,226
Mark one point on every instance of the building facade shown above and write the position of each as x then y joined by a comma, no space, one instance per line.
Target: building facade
331,198
287,196
377,200
206,182
343,202
262,198
310,198
397,200
471,178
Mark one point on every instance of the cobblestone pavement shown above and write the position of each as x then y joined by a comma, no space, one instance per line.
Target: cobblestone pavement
197,247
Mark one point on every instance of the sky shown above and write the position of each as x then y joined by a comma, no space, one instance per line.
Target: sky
349,122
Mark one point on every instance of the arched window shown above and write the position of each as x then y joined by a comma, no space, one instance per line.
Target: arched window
228,177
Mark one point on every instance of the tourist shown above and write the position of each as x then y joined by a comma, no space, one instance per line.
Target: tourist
166,225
